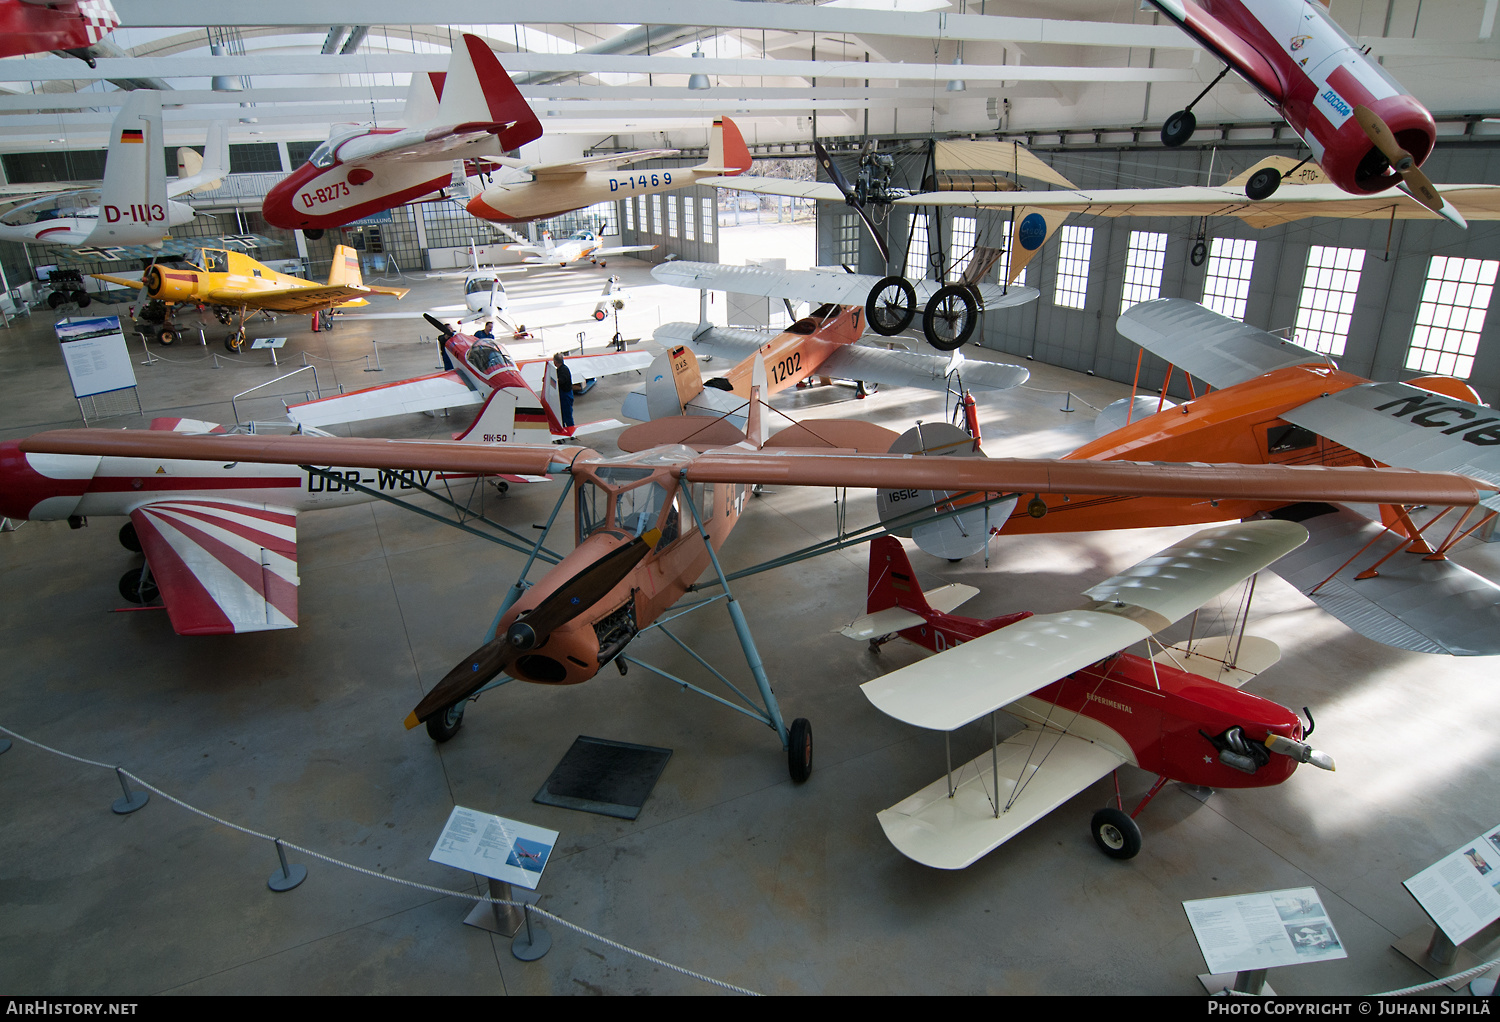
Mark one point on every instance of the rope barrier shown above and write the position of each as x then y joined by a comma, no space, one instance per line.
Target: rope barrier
1445,981
444,892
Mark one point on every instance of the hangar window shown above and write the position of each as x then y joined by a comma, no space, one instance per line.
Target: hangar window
1143,266
846,244
916,249
297,153
1004,264
1450,318
656,214
1227,284
1075,247
629,215
255,158
1327,302
688,220
640,209
671,216
965,234
708,218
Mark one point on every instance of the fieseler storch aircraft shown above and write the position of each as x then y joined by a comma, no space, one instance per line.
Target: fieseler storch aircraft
27,26
235,284
473,109
1086,706
523,191
219,538
134,204
520,399
1366,131
650,522
1276,402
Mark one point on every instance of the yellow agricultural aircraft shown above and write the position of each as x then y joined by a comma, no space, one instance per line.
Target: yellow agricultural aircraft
233,283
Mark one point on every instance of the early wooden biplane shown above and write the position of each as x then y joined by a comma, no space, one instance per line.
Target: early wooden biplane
1086,706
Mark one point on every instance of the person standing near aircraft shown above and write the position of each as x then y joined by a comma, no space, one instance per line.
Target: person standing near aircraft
486,334
564,389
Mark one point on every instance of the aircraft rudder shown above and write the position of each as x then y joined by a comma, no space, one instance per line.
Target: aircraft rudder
134,172
477,90
892,582
496,421
345,269
727,152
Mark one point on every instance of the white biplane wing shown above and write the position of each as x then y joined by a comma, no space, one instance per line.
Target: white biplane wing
223,566
817,286
422,394
777,186
1218,350
1044,766
586,367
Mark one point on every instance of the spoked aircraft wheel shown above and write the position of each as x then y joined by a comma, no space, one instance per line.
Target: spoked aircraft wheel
892,306
1263,183
129,539
135,590
950,318
1116,834
445,725
799,750
1178,129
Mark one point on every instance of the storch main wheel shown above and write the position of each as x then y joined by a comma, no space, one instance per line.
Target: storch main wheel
445,725
799,750
950,317
1178,129
892,305
1116,833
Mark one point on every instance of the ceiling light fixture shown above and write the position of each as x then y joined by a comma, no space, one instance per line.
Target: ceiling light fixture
698,82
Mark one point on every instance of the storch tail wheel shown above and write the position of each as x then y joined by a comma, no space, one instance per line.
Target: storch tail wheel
1116,833
799,750
950,317
892,306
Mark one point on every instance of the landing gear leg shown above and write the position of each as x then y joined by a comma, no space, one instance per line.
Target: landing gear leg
1181,125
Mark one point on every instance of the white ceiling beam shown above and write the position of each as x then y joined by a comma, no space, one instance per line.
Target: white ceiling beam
178,67
708,13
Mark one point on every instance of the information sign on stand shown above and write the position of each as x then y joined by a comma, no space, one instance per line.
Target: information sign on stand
1242,936
506,851
98,361
1461,894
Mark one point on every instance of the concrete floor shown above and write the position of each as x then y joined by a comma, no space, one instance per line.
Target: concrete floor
731,870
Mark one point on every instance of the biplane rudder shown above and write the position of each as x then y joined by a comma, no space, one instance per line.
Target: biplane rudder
892,581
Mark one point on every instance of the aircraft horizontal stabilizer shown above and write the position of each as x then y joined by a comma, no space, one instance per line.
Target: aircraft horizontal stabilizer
946,832
945,599
946,691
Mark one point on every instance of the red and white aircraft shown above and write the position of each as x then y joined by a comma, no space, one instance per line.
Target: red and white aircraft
520,398
72,26
473,109
1365,130
220,539
1086,707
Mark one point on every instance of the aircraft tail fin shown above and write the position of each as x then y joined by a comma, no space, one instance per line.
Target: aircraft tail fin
892,581
134,191
727,152
204,173
477,91
496,421
686,374
552,401
345,269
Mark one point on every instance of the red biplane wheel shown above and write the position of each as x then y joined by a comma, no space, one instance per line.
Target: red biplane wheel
598,315
1116,833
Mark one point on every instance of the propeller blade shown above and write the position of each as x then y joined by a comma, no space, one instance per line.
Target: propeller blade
1416,184
444,330
1379,133
566,602
832,170
885,252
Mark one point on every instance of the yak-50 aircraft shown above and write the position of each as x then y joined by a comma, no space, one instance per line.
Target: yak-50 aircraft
484,371
1087,707
1276,402
650,522
473,109
234,284
134,204
1366,131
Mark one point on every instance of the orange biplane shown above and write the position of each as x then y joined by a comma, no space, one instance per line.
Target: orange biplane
649,523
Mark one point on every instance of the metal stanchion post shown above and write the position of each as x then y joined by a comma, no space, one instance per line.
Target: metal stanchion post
131,800
376,345
532,942
289,876
1068,404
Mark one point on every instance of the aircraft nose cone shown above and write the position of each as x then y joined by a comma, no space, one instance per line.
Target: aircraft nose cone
521,635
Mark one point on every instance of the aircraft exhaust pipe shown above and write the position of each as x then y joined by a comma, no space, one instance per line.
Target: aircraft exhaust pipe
1300,751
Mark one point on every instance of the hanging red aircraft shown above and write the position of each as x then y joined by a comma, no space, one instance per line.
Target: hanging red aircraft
1086,707
27,26
1365,130
649,523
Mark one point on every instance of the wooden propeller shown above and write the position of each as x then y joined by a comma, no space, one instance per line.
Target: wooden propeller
842,184
1415,183
570,599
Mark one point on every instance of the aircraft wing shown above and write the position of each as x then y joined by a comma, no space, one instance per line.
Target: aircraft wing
223,566
777,186
1416,604
946,691
610,250
722,342
1398,424
1290,203
609,162
1216,349
422,394
1038,770
299,299
813,285
586,367
896,368
1226,44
